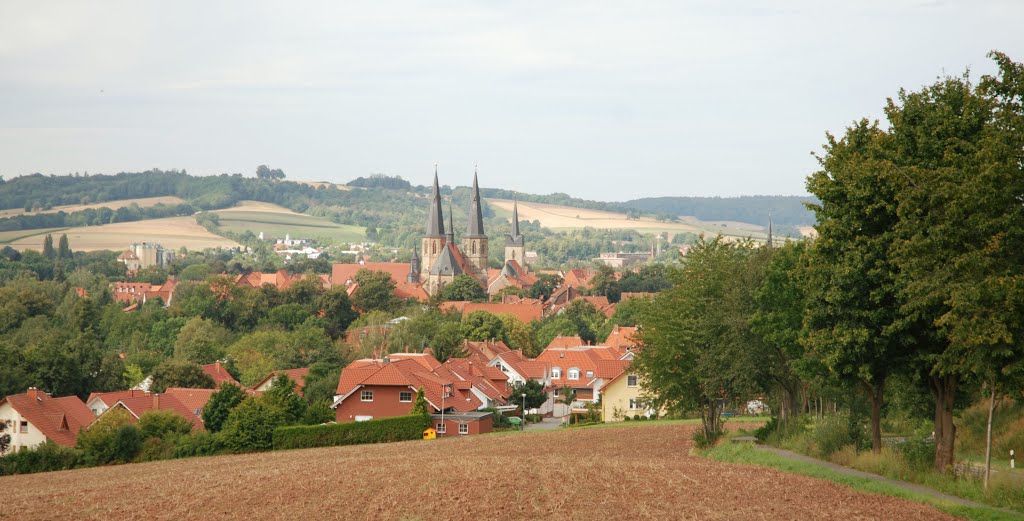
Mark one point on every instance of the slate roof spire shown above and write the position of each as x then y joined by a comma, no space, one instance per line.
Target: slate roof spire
450,236
476,216
770,243
435,220
414,267
515,238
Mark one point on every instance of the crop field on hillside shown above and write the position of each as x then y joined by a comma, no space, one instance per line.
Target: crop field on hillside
560,218
172,232
276,222
144,202
628,472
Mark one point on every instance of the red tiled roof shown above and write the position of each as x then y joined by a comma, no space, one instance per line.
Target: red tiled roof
112,397
566,341
296,375
159,402
192,399
578,278
344,275
524,312
408,372
620,337
219,374
59,419
603,362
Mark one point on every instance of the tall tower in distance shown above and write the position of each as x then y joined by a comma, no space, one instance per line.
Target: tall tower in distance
474,242
515,243
434,238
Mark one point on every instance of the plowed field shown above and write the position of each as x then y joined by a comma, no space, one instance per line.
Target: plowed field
629,472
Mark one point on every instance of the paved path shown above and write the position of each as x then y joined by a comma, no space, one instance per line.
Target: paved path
546,424
910,487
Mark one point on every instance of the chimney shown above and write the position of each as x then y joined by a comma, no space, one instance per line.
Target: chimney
156,401
216,366
33,393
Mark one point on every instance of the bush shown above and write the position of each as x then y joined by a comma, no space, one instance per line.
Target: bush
220,405
626,418
198,444
499,419
770,426
43,458
374,431
831,433
110,439
534,418
250,426
702,441
155,449
163,424
636,417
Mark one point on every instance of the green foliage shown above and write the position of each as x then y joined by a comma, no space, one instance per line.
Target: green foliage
178,373
386,430
200,341
318,412
481,325
198,444
448,341
464,287
420,407
163,424
376,291
45,457
220,404
321,382
250,425
282,394
534,391
112,438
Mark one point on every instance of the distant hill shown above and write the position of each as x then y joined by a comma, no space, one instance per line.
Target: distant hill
785,209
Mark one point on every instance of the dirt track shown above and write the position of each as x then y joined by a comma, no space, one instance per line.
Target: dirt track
636,472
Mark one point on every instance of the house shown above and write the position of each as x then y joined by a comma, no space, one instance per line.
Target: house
168,401
407,286
578,278
622,396
621,338
387,387
98,403
35,418
219,374
566,341
296,375
280,279
585,369
141,292
524,311
512,274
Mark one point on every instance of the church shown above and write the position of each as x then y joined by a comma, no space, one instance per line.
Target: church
440,259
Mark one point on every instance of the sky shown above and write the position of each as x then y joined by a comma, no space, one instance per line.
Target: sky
601,100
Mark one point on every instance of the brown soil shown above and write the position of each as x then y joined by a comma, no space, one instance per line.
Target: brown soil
638,472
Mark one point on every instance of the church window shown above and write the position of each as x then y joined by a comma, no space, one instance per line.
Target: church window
474,247
433,248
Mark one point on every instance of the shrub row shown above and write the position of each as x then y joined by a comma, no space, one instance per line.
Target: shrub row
44,458
374,431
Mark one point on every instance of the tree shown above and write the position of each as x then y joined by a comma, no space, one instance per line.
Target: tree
112,438
448,342
534,390
200,341
179,373
420,406
854,323
546,284
604,283
266,173
480,326
220,405
5,438
163,425
282,394
63,249
321,382
376,291
250,426
695,337
566,397
463,288
48,250
335,308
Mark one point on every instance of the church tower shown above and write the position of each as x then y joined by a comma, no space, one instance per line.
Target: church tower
515,243
474,242
434,238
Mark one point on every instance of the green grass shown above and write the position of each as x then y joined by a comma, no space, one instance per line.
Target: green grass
17,235
743,453
278,225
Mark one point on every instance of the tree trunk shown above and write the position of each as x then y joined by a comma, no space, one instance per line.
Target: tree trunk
875,393
943,389
788,406
988,436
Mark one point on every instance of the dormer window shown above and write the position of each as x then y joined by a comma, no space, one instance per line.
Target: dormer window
556,372
574,373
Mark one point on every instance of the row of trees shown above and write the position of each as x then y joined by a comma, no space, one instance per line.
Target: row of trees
916,277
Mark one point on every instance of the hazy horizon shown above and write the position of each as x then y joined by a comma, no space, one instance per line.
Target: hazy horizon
601,101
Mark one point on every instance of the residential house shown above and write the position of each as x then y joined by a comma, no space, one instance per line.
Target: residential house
585,369
98,403
34,418
622,395
622,338
524,311
344,275
280,279
296,375
141,292
219,374
168,401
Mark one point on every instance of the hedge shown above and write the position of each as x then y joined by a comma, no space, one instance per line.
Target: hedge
44,458
385,430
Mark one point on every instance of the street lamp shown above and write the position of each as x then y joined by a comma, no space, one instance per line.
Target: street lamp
524,411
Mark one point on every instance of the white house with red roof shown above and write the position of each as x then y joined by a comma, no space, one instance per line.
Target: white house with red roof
296,375
34,418
98,403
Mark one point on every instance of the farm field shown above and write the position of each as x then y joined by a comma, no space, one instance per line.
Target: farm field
560,218
172,232
276,222
627,472
144,202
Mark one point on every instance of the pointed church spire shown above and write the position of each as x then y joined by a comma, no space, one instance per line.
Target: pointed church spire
770,243
451,225
515,218
435,220
476,216
414,267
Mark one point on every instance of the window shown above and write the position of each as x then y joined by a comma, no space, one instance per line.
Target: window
405,396
631,380
555,392
463,428
574,373
366,396
634,404
440,428
556,372
24,426
590,374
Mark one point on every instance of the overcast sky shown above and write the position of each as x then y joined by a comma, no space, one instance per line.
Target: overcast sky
601,100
